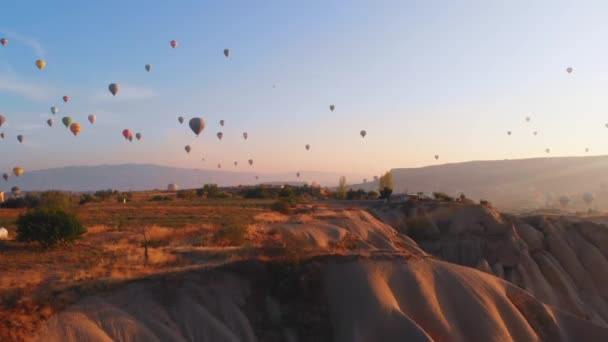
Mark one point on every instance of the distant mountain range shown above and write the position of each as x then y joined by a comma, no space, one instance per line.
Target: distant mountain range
523,183
147,177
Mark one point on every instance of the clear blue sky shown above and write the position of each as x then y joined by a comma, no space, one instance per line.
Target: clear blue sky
422,77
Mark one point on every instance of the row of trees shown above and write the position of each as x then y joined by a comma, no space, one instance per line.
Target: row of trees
385,189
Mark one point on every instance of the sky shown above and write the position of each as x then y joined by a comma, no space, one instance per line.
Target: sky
423,78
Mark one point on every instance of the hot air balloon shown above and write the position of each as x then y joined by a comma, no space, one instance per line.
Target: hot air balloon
307,147
180,119
548,150
332,107
569,70
227,53
508,132
606,125
66,98
587,149
436,157
5,176
257,177
20,138
130,138
588,198
363,133
535,133
2,135
173,43
138,136
75,128
126,133
245,135
187,148
148,67
219,166
220,135
40,64
2,120
236,163
3,41
67,121
250,161
50,122
527,119
298,174
54,110
18,171
114,88
197,125
16,191
92,118
222,123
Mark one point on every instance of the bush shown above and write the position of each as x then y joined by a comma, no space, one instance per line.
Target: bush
14,203
48,227
55,200
485,203
159,198
232,232
441,196
186,194
257,192
282,206
385,193
372,195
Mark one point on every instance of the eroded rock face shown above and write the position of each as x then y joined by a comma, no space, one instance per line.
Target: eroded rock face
562,261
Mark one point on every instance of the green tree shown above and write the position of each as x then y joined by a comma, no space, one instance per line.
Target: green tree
386,185
48,227
342,188
56,200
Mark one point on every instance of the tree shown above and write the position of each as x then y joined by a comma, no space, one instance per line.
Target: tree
386,185
56,200
342,188
48,227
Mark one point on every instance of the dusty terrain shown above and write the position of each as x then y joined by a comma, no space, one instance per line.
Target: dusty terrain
325,272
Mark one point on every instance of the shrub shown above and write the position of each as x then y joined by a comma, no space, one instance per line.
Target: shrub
485,203
48,227
441,196
86,198
55,200
282,206
232,231
372,195
186,194
386,192
355,194
159,198
257,192
14,203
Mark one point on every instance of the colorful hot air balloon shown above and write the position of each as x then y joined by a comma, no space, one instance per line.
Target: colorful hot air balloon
197,125
138,136
227,53
569,70
18,171
40,64
75,128
20,138
245,135
332,107
187,148
250,161
2,120
220,135
54,110
222,123
307,147
114,88
180,119
92,118
436,157
66,98
67,121
363,133
173,43
148,67
126,133
3,41
50,122
5,176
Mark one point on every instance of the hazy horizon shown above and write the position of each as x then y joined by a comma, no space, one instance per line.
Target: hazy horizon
432,79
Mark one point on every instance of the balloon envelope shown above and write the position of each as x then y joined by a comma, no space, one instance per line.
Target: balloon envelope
50,122
148,67
436,157
5,176
67,121
332,107
138,136
20,138
173,43
54,110
250,161
227,53
18,171
66,98
2,120
92,118
3,41
187,148
197,125
40,64
126,133
75,128
245,135
307,147
363,133
569,70
220,135
222,123
180,119
114,88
